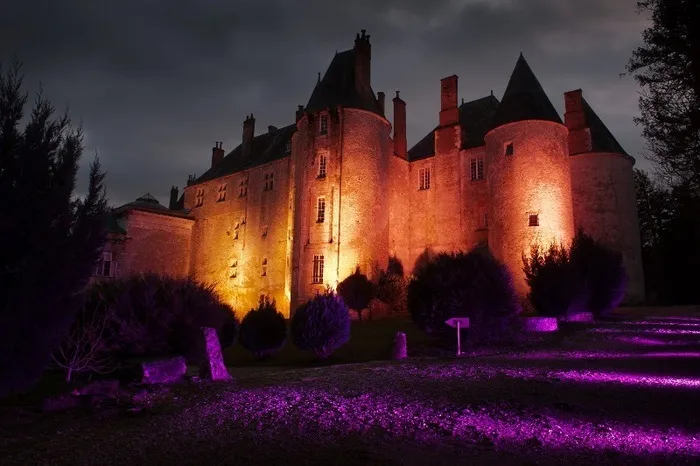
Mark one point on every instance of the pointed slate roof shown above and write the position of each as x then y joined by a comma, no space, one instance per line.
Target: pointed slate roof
265,148
601,138
475,120
338,87
524,98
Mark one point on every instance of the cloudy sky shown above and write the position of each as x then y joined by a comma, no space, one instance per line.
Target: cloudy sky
156,82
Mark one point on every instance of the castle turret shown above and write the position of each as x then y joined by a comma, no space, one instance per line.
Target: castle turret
529,183
604,198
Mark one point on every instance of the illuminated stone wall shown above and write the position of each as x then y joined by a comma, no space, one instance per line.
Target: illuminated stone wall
399,211
240,243
475,200
534,180
605,206
155,243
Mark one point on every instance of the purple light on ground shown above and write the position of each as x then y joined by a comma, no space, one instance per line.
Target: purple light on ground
678,319
664,331
645,380
540,355
541,324
656,323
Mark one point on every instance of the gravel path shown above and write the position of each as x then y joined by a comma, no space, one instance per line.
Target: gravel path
600,398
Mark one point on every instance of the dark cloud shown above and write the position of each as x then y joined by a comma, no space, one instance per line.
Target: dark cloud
155,83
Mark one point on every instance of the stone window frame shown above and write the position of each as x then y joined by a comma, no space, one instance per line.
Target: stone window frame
221,193
263,265
269,181
476,168
244,187
318,269
236,229
323,124
533,219
199,198
106,266
485,220
321,209
234,268
509,148
424,178
322,165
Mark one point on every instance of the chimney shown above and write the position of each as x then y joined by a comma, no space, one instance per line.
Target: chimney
575,119
248,133
191,179
449,112
217,154
271,129
300,112
363,55
400,145
380,99
173,198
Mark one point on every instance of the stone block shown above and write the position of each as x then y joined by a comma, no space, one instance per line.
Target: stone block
212,364
400,350
540,324
163,371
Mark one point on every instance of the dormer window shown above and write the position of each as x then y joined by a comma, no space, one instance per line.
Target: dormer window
200,198
323,125
508,148
222,193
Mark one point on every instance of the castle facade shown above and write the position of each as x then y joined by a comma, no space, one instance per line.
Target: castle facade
297,208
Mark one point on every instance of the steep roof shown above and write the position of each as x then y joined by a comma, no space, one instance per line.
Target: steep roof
265,148
147,203
601,137
524,98
475,120
338,87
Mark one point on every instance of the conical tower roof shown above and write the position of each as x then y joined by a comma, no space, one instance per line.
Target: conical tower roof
524,98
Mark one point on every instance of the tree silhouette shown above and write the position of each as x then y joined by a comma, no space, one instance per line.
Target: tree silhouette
50,239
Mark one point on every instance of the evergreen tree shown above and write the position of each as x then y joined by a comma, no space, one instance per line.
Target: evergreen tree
667,66
50,239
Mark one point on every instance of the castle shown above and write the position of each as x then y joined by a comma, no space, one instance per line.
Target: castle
298,208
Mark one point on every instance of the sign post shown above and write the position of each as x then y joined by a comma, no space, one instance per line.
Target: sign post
458,322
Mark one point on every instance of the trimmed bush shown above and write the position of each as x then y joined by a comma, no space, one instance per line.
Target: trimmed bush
321,325
357,291
391,289
473,285
555,285
157,315
264,330
602,272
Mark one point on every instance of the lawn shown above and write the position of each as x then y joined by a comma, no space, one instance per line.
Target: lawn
618,392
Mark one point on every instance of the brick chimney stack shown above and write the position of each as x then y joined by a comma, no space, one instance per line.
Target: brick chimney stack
575,119
449,112
363,56
217,154
173,198
248,134
400,145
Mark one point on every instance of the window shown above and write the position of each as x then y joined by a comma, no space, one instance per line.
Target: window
105,266
200,198
323,125
222,193
269,181
533,219
318,269
322,164
508,149
485,220
424,178
234,268
244,187
321,210
264,231
236,229
477,169
263,272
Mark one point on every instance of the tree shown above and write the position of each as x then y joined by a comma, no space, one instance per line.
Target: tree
50,239
356,290
667,67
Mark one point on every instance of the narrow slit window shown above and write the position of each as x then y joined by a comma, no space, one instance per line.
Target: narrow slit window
477,169
508,149
424,178
323,125
263,272
533,219
222,193
269,181
200,198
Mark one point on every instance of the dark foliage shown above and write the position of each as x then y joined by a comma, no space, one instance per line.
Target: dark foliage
50,240
603,275
473,285
157,315
667,67
321,325
555,284
264,330
357,291
391,289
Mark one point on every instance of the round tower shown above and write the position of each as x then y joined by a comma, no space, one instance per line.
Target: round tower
604,196
529,182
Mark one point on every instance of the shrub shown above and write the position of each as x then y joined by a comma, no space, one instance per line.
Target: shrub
391,289
555,285
603,275
473,285
357,291
157,315
263,330
321,325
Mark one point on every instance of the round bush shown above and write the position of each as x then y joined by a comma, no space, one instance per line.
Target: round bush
263,330
321,325
473,285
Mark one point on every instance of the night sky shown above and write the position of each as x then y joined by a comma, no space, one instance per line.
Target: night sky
155,83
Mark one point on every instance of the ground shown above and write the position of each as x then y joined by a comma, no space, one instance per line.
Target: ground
622,392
